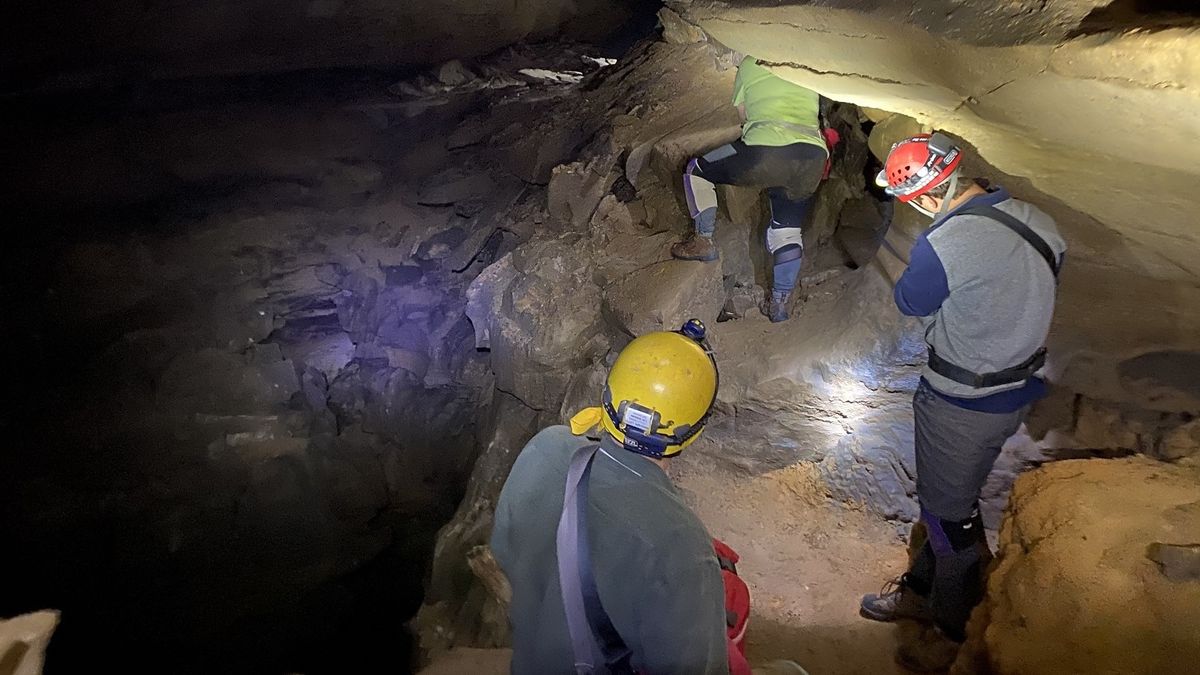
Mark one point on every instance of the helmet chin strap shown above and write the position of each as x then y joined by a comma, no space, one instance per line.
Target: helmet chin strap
950,192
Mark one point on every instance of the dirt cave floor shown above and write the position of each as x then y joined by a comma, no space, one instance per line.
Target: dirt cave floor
807,561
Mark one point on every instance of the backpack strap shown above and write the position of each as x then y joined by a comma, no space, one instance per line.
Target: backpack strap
1018,227
589,626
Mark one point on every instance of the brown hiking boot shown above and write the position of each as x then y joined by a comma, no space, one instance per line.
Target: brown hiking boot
896,601
775,307
695,247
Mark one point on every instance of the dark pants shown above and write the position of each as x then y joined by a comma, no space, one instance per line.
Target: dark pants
789,173
956,449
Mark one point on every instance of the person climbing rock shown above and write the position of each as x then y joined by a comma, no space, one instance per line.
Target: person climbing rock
784,148
607,564
982,278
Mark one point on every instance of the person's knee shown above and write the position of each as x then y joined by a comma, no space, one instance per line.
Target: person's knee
781,238
949,537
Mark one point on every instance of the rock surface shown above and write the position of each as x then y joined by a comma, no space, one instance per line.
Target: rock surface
1030,92
214,39
1081,585
267,396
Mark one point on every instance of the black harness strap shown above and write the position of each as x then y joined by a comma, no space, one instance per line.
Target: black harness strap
1023,230
1021,371
1017,373
580,595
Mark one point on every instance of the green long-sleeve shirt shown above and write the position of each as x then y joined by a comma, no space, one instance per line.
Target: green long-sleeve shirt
652,559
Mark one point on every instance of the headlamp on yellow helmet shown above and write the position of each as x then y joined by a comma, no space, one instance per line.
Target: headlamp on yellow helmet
661,391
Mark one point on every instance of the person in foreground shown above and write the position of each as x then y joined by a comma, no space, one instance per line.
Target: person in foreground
611,572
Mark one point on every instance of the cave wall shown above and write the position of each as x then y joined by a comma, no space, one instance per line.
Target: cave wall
81,44
251,394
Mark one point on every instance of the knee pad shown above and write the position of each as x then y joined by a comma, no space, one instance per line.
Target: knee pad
779,238
700,193
948,537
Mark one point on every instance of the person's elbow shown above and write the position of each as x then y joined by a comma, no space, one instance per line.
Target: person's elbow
913,304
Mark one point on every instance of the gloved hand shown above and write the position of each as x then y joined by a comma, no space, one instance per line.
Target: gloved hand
832,138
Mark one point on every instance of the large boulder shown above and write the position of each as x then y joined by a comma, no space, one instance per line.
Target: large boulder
665,295
543,323
1092,575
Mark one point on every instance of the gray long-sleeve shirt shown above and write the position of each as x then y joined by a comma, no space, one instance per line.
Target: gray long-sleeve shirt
652,559
986,295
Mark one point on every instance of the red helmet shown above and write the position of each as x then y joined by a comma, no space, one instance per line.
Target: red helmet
916,165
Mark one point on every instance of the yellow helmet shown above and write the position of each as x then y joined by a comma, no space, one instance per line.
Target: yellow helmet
661,391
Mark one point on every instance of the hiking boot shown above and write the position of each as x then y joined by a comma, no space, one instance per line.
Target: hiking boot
776,307
896,601
695,247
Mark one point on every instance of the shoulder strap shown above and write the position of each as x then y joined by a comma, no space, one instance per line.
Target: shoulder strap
1020,228
588,624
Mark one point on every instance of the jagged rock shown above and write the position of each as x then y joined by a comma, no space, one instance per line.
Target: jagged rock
891,129
624,242
584,389
668,154
742,239
1181,442
441,244
665,295
401,275
576,189
415,362
1073,590
328,355
534,155
1178,562
1100,426
455,598
454,73
453,186
532,357
236,322
861,227
677,31
485,296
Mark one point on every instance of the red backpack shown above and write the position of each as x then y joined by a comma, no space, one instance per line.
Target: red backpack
737,607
